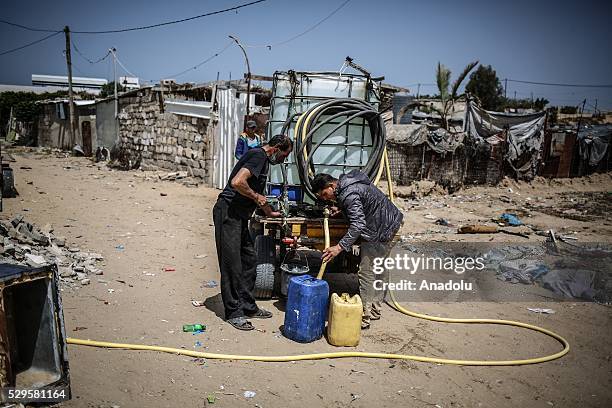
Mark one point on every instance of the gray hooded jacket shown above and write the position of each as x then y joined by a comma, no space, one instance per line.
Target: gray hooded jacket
372,216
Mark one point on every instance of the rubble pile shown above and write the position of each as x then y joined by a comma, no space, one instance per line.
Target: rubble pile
24,243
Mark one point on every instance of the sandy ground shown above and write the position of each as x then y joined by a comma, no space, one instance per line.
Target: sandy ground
97,209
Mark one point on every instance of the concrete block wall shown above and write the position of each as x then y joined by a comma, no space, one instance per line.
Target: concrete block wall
165,140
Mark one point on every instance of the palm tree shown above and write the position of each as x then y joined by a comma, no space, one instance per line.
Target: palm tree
443,75
448,97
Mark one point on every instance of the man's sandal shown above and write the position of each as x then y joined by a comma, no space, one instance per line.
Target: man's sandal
241,323
261,314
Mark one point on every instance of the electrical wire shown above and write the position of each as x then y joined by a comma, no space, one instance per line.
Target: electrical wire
555,84
76,68
182,20
269,46
198,65
122,30
87,59
45,30
421,83
30,44
123,66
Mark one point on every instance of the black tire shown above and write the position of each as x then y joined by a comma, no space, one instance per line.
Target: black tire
265,249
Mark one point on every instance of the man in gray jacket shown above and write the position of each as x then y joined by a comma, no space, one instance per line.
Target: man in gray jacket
373,222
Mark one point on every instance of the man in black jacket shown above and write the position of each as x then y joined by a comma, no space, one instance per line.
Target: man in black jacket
373,220
242,194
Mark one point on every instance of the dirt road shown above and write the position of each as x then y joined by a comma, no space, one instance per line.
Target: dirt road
142,233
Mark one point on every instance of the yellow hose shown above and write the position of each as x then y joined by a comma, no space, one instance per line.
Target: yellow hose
363,354
380,171
388,174
327,241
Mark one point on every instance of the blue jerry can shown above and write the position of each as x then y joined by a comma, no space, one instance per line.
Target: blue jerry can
306,310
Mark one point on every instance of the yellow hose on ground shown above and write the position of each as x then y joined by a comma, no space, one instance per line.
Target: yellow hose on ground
362,354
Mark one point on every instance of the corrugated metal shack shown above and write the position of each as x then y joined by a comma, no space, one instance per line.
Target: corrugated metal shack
567,153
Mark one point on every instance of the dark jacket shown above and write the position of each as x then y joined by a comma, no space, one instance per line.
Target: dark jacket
372,216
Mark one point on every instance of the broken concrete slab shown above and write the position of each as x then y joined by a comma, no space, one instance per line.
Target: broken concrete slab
35,260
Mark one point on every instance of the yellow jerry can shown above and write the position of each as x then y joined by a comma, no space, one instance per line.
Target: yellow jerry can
344,327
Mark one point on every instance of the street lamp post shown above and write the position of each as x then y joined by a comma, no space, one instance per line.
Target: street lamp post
248,95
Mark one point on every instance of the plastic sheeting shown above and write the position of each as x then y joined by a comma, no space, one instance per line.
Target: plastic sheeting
525,134
439,140
594,143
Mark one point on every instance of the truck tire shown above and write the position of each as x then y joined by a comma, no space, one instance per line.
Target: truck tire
265,248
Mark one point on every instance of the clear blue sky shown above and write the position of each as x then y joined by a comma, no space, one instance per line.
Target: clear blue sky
543,41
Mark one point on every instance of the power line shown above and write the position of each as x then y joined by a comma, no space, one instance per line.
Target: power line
269,46
32,43
28,28
204,61
122,30
87,59
80,71
422,84
123,66
554,84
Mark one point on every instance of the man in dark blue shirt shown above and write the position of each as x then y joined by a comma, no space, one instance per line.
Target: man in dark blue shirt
235,205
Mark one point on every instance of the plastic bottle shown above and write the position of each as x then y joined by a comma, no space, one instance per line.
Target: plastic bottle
194,327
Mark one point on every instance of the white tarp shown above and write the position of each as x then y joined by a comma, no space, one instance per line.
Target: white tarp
525,134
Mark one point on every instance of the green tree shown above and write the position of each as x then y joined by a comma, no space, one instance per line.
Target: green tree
109,89
540,103
449,96
485,85
23,105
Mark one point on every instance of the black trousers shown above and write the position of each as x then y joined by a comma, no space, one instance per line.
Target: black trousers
236,254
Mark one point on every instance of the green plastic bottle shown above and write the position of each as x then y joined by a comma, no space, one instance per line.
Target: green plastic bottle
194,327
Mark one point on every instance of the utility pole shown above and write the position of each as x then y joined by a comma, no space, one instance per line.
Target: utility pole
71,127
418,90
112,51
248,95
580,168
580,117
505,87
